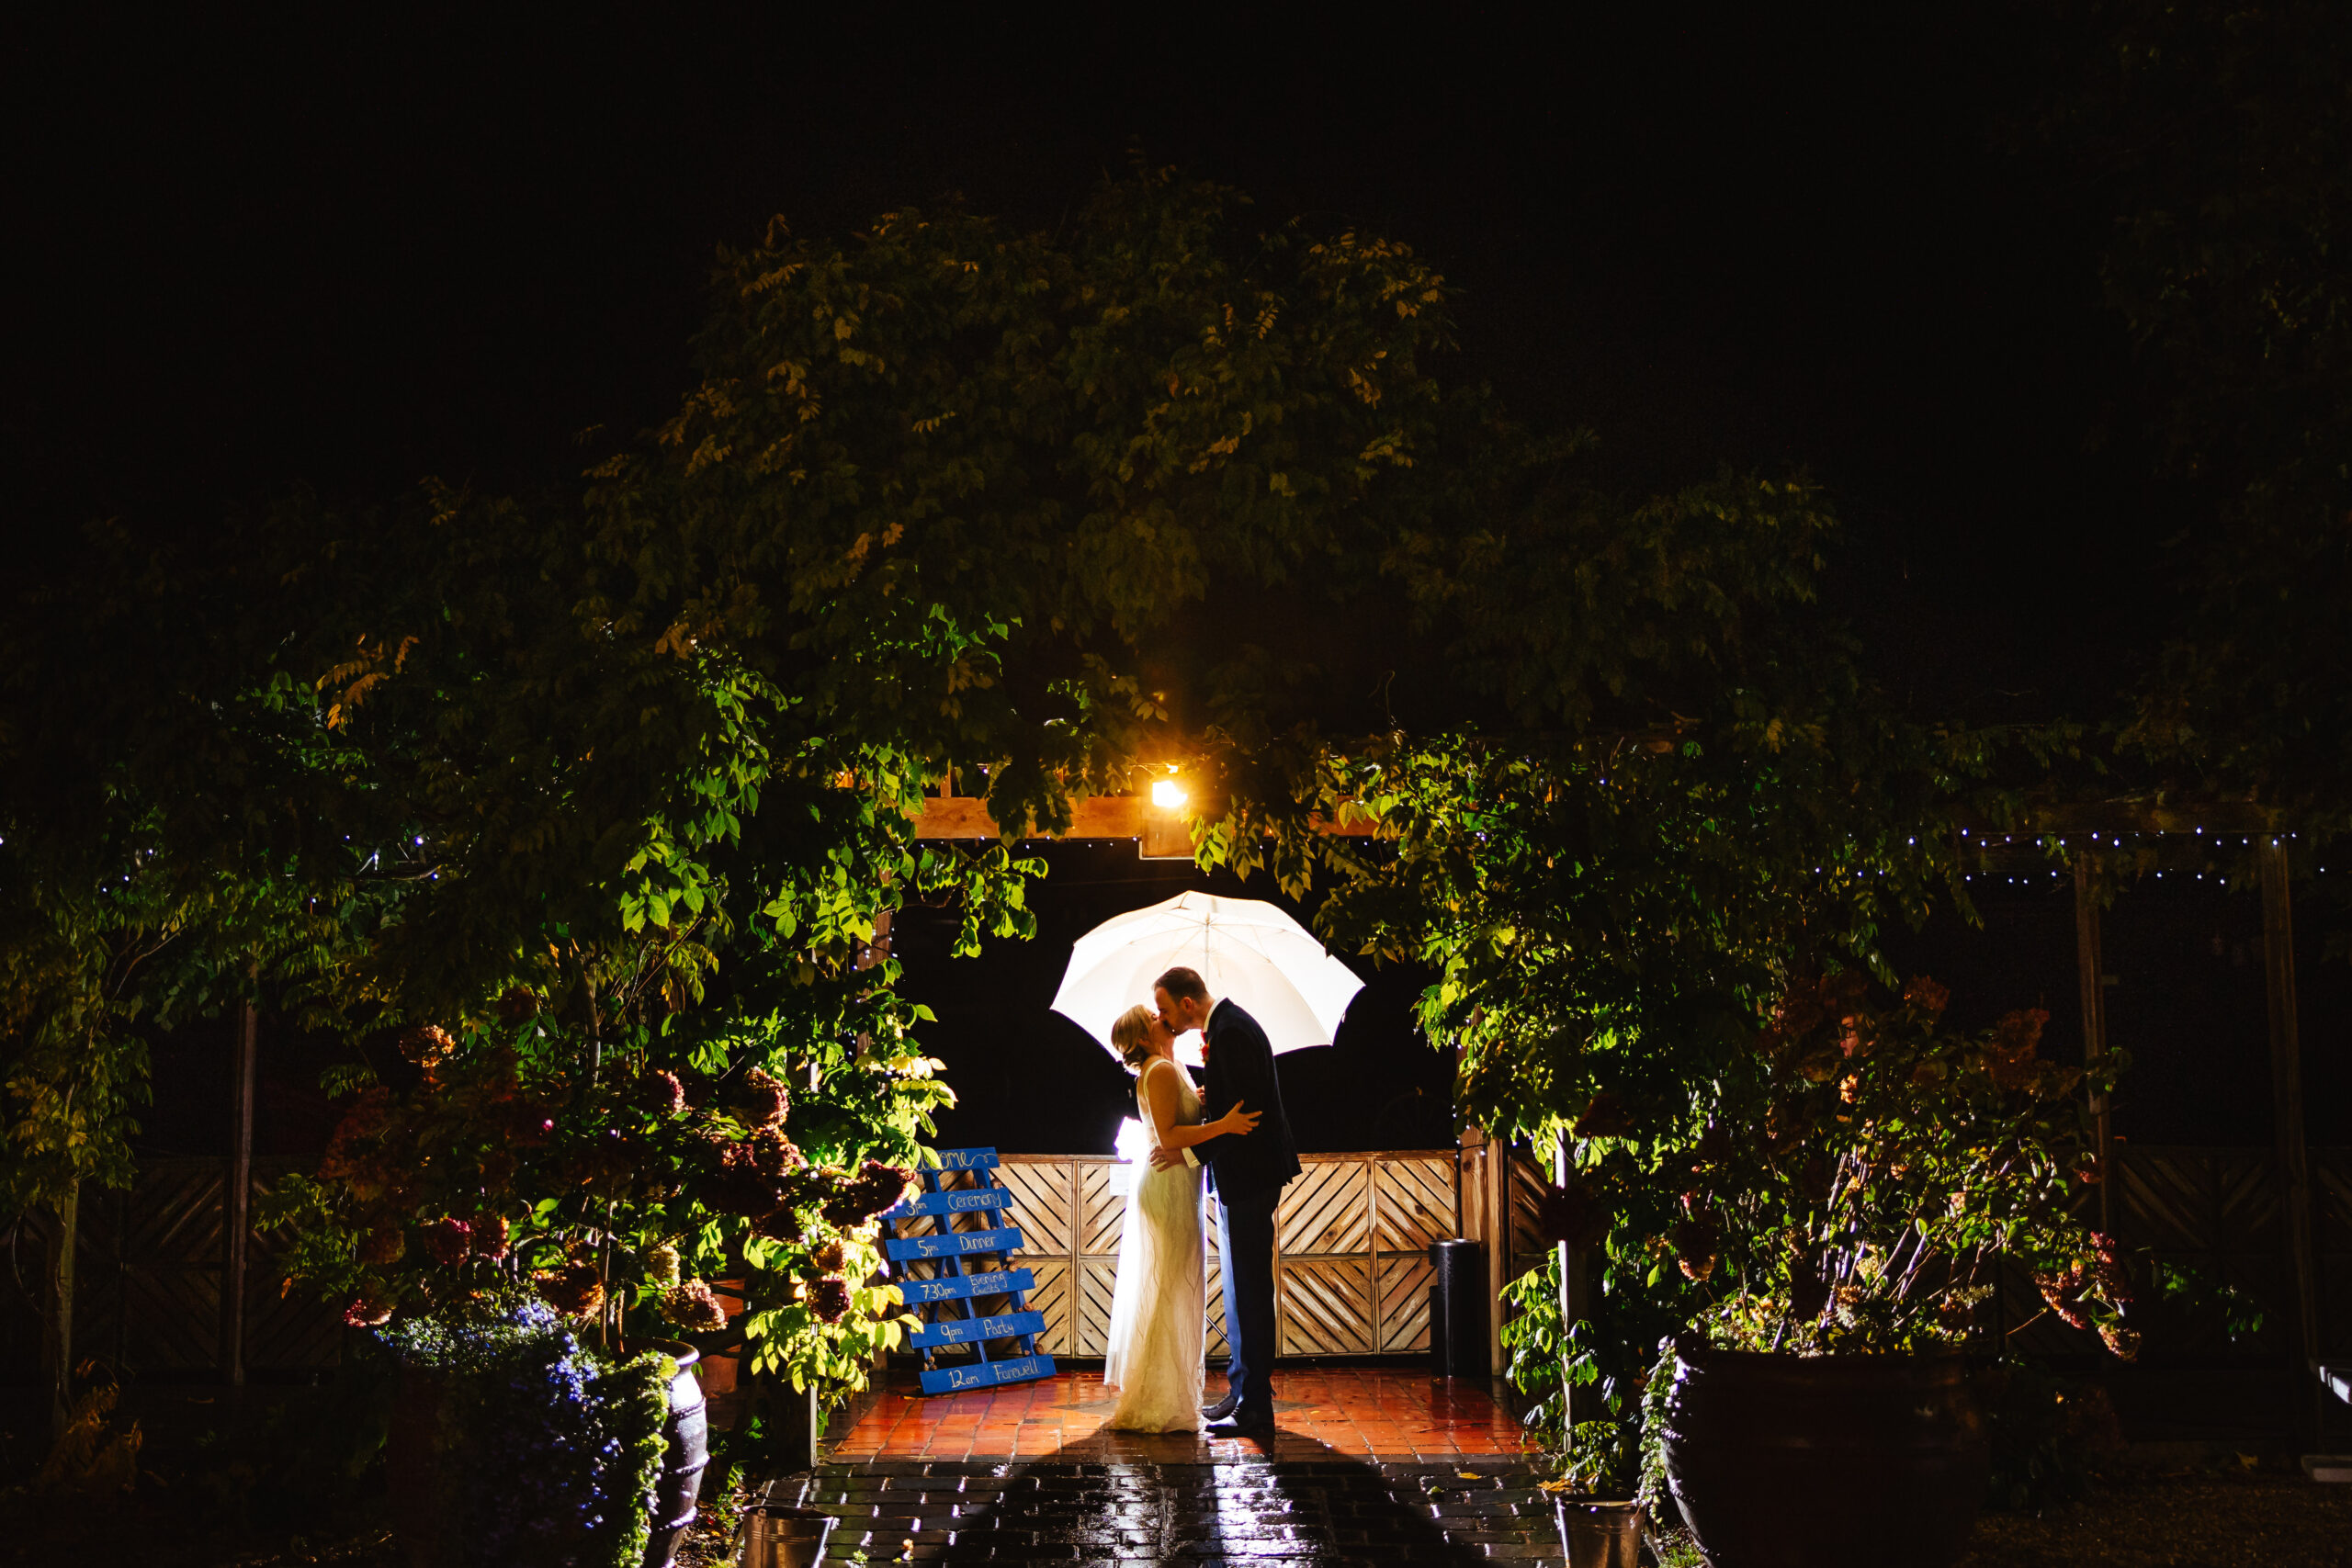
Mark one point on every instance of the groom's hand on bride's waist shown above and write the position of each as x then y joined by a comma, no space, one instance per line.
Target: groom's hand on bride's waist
1167,1159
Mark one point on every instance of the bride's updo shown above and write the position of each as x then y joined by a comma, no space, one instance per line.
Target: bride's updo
1135,1034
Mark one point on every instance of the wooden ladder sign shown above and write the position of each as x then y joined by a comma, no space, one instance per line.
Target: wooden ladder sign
951,1293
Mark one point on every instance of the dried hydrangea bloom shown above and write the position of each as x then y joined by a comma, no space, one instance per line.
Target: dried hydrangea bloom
875,1188
368,1116
761,1098
772,1153
1696,1242
367,1310
447,1241
662,1264
2062,1290
828,1299
693,1307
1924,994
426,1044
660,1094
576,1290
488,1238
2010,1056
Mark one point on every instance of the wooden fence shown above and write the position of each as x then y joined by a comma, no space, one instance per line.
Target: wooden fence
1352,1239
2218,1213
1353,1274
147,1283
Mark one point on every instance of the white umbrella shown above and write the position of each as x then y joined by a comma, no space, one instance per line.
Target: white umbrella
1244,949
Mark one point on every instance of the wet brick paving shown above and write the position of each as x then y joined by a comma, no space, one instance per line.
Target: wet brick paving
1259,1510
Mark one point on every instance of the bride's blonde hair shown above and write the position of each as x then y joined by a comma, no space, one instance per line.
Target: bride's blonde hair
1133,1035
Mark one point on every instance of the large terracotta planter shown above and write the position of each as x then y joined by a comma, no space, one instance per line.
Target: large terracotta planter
1831,1461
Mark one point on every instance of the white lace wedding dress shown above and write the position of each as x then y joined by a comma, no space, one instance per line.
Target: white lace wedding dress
1158,1310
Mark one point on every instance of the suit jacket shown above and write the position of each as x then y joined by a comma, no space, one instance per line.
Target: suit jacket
1242,1070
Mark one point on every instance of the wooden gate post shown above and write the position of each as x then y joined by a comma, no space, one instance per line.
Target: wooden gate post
2087,962
236,1201
2287,1112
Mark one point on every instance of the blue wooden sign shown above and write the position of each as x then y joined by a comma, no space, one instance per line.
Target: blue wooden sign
947,1326
954,1243
965,1330
995,1283
987,1374
961,1201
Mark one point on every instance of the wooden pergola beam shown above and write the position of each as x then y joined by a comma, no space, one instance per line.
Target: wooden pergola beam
1161,829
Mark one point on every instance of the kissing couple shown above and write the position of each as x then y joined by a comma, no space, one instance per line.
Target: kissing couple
1159,1309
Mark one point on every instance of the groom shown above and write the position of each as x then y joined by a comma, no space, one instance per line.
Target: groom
1247,1173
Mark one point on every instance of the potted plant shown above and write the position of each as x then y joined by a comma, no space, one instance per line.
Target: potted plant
1600,1514
1860,1176
513,1441
519,1203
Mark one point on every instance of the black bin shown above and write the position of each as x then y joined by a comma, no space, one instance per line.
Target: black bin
1458,1309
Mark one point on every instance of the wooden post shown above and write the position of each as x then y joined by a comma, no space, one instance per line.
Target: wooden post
236,1201
1572,1282
2094,988
2287,1112
1497,1248
796,1409
57,1328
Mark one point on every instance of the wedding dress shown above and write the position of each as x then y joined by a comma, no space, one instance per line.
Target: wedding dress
1158,1310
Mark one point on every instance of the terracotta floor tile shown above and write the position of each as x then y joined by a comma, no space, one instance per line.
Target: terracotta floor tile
1354,1413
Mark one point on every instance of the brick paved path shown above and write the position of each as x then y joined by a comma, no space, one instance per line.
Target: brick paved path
1260,1510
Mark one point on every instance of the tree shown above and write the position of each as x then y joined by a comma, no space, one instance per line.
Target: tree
618,789
2219,138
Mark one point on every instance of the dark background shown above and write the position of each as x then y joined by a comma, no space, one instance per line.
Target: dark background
349,252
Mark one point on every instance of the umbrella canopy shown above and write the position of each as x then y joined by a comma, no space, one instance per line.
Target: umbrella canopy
1244,949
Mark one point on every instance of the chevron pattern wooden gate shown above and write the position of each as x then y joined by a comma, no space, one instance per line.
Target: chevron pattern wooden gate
1351,1249
148,1277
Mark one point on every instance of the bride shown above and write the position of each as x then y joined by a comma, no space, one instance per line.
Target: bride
1156,1309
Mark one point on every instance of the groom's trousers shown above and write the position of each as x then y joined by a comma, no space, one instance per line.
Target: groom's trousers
1245,1245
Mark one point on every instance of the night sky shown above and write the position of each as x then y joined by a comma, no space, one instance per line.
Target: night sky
258,253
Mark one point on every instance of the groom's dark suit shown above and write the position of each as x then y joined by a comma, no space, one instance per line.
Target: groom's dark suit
1247,1173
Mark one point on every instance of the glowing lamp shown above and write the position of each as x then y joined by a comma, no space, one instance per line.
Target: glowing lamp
1167,794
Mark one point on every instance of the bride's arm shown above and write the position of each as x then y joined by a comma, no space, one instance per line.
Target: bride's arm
1160,1088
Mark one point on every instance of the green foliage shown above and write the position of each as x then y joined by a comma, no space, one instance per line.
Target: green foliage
2048,1433
577,796
1863,1167
1538,1351
2225,262
2208,1303
960,492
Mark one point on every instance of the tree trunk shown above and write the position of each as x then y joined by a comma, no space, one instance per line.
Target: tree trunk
57,1328
236,1199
